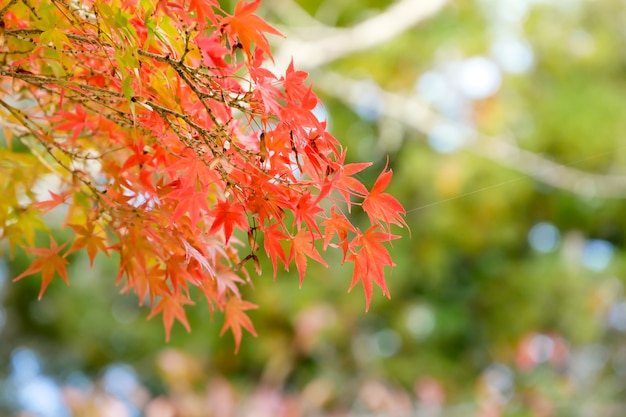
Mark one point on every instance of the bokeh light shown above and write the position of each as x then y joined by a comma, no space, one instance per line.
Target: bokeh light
544,237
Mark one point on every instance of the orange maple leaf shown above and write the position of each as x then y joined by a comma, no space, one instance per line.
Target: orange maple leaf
90,239
301,247
189,201
249,27
48,262
204,10
171,306
47,205
235,319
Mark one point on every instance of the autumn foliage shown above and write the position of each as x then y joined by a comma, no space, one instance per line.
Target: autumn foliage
167,142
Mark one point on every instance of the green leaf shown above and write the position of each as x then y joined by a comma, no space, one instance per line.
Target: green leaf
54,36
129,93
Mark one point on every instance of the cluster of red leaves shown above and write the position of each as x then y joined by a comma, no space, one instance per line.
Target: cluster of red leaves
171,139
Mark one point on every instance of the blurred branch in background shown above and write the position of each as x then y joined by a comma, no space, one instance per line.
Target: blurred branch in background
413,112
328,44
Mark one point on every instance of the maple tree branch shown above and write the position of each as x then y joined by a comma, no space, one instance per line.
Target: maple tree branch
80,89
184,72
206,134
6,8
337,43
42,80
35,130
31,8
189,75
161,58
24,122
20,33
414,113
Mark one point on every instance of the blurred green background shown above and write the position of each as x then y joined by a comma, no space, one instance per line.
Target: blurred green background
503,121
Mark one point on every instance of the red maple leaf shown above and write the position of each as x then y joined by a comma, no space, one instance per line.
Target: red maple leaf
383,207
344,181
306,210
212,51
74,121
192,167
267,89
48,262
166,5
235,318
370,261
273,248
151,283
337,224
296,90
228,215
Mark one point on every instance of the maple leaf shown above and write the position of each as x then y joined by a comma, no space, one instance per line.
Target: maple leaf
135,250
204,10
192,202
235,319
296,90
90,239
383,207
301,247
266,87
370,261
228,215
212,51
166,5
344,181
306,209
192,167
227,280
48,262
171,306
74,121
249,27
47,205
272,237
216,286
151,282
193,253
337,224
177,272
